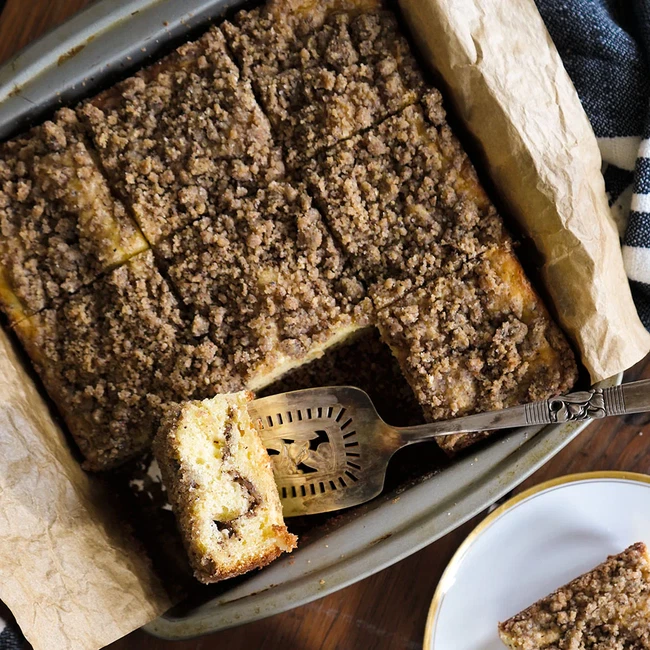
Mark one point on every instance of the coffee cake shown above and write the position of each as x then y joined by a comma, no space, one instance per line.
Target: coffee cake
477,341
607,608
177,135
324,71
221,487
265,281
404,201
256,269
59,224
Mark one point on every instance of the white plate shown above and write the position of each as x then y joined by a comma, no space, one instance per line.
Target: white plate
534,543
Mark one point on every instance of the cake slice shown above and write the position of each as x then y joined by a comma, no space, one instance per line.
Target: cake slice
265,281
177,135
324,71
114,354
221,487
404,201
476,341
60,226
607,608
282,35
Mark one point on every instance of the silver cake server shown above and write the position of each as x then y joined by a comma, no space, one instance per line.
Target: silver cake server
330,449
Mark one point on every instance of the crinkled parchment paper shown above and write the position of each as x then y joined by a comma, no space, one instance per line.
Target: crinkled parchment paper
68,569
511,90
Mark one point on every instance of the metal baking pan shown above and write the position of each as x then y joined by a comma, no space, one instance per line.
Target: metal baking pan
88,53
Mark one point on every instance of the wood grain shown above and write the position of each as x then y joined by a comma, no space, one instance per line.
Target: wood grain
386,611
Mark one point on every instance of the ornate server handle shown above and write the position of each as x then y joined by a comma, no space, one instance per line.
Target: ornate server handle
595,403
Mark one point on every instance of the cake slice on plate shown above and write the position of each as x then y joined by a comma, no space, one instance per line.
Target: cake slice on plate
609,607
221,487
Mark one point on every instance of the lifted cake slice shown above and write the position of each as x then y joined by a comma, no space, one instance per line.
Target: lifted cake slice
609,607
221,487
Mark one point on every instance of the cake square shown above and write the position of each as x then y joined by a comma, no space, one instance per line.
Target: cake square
60,226
220,483
608,607
324,74
404,202
113,355
177,135
265,281
476,341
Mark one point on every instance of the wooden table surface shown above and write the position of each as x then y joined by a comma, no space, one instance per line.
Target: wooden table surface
386,611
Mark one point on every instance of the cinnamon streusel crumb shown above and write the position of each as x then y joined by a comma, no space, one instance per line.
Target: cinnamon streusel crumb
59,224
404,201
324,74
176,136
282,34
475,341
605,609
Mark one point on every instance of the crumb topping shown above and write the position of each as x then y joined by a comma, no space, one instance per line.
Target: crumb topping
59,225
264,278
283,34
404,201
324,77
477,341
176,136
112,356
605,609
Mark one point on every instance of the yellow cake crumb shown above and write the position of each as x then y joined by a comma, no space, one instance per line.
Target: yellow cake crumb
220,483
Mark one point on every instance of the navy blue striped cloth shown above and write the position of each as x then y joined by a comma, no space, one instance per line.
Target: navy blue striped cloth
10,636
605,47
